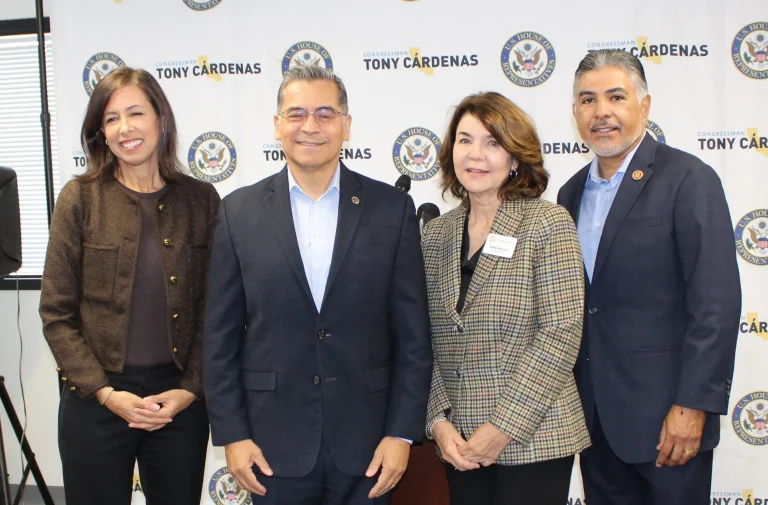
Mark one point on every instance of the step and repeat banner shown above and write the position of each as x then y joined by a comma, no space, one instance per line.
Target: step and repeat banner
405,64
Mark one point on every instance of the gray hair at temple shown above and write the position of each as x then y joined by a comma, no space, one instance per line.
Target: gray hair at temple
614,58
313,73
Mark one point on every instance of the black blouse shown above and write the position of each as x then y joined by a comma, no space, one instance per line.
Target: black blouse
468,266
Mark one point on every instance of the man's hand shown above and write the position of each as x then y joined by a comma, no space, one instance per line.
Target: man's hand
449,440
680,436
392,457
485,445
171,402
134,410
241,456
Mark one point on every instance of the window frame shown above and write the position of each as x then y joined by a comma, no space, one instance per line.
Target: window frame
27,26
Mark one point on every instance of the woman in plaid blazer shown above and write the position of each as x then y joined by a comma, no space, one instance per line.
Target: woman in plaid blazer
505,283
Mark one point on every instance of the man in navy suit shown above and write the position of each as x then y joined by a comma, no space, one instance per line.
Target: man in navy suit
662,302
317,355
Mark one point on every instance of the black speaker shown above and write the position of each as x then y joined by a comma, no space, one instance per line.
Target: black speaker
10,223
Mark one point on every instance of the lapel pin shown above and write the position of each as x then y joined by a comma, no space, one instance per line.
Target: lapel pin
637,175
355,200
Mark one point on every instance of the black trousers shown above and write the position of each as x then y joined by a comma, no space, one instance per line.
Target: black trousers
326,484
542,483
98,449
610,481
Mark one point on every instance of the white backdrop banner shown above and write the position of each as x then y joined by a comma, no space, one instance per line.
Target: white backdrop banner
405,63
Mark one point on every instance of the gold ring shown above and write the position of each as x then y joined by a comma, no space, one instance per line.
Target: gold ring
689,453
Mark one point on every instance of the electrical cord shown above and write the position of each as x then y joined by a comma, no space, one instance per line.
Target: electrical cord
21,380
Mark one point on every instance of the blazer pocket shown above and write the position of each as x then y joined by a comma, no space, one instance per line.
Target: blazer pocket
371,253
99,271
642,222
259,381
657,350
378,379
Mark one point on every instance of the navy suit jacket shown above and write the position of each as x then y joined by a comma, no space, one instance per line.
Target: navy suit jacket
281,373
662,308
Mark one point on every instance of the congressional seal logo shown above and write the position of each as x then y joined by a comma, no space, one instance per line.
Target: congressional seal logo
307,53
752,237
655,131
528,59
197,5
749,50
224,490
415,153
97,67
212,157
749,417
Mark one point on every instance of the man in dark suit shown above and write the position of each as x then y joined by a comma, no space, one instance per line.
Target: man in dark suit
662,302
317,357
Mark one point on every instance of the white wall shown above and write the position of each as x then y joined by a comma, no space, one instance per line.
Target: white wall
18,9
40,385
38,366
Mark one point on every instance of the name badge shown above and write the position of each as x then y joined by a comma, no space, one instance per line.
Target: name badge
500,245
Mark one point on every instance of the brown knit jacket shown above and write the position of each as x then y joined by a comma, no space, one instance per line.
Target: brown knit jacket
90,265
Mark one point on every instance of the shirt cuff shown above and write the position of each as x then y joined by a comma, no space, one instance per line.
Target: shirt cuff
406,440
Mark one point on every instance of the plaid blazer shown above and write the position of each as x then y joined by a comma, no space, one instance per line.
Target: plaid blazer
508,357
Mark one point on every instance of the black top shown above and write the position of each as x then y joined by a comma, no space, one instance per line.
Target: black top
148,342
468,266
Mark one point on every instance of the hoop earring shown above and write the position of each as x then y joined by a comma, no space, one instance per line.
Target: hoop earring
106,142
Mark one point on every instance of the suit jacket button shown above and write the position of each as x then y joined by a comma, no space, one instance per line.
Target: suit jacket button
459,328
321,335
315,380
175,317
175,350
457,373
167,242
593,311
72,388
172,279
161,207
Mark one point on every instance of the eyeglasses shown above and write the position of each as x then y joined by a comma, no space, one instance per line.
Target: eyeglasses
322,114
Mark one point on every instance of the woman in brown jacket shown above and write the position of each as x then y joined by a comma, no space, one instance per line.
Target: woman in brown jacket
122,301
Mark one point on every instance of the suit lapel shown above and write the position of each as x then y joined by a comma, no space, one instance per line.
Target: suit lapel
450,263
507,220
630,188
279,202
573,204
351,204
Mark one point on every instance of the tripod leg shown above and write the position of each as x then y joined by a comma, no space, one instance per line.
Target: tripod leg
22,486
5,487
26,449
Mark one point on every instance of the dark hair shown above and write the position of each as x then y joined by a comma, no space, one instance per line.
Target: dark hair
100,160
313,73
514,131
614,58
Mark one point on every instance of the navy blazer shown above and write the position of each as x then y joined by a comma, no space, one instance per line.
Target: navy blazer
662,308
281,373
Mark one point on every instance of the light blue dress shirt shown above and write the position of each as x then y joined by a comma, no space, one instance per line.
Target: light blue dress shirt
595,205
315,225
